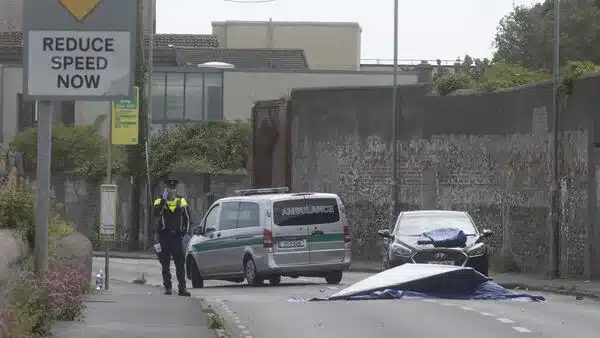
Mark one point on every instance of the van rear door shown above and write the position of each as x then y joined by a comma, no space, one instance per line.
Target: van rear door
326,239
290,232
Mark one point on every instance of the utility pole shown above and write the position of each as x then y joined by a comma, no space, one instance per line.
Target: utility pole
150,66
395,186
554,203
136,157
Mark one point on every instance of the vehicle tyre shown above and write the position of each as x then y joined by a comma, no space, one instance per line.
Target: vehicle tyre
194,274
334,277
250,273
275,280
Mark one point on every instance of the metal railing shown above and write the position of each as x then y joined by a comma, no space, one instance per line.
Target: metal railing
411,62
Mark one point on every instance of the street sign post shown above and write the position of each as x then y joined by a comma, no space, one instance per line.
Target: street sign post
73,50
108,222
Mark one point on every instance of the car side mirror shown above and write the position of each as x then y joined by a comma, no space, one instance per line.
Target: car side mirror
487,232
385,233
197,231
209,230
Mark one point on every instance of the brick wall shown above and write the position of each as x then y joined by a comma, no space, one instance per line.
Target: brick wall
487,153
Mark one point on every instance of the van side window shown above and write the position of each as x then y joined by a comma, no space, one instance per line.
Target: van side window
229,216
249,215
211,217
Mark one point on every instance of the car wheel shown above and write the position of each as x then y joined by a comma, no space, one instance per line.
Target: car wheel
334,277
275,280
194,274
250,273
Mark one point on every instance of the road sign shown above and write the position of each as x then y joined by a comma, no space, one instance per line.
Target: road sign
79,49
125,119
108,210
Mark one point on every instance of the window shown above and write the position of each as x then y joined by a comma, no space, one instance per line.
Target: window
306,211
193,96
175,96
211,217
418,224
229,216
249,215
213,96
158,96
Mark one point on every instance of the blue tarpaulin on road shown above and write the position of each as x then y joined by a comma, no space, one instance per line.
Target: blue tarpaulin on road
444,238
420,281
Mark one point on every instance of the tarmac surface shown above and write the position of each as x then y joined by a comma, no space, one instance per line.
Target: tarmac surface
269,312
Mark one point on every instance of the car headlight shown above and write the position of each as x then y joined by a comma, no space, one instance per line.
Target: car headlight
401,250
476,250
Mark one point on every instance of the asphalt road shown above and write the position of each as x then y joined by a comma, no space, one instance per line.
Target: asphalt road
270,312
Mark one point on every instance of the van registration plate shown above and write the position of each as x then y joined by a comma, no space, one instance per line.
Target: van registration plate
291,244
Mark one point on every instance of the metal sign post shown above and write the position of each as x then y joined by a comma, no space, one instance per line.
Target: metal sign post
108,222
73,50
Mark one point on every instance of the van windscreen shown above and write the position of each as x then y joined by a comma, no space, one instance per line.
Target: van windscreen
306,211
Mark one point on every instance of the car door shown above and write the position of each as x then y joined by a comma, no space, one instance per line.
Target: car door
203,250
290,232
326,229
225,243
249,233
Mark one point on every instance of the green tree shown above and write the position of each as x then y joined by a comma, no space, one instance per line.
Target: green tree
209,146
525,35
78,151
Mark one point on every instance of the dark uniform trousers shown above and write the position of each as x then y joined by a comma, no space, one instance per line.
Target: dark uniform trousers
172,226
172,247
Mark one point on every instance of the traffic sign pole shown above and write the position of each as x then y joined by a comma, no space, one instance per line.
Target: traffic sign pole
42,201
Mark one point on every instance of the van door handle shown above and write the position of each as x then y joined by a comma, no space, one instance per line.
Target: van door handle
317,232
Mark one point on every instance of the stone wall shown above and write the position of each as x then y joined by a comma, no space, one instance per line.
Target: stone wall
487,153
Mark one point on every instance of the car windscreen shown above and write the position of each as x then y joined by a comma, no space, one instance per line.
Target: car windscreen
306,211
418,224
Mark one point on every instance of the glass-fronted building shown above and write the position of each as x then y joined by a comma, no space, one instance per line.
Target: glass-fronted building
185,95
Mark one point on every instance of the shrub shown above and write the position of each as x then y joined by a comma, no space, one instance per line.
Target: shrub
34,305
17,212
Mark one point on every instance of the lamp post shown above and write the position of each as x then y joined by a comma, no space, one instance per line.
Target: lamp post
555,193
395,187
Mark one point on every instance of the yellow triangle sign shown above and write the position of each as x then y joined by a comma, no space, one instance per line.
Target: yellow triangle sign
80,9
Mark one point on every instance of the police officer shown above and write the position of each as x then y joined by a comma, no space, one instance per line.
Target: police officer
172,226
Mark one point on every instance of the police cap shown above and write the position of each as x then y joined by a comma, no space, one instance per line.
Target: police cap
171,182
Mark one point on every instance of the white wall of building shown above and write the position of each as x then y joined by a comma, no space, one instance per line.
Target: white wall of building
242,88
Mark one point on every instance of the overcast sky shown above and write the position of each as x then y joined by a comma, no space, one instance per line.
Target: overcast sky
428,29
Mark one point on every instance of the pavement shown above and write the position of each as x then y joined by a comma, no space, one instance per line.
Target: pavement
130,311
270,312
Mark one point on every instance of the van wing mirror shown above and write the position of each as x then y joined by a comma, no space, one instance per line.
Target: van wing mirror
197,230
209,229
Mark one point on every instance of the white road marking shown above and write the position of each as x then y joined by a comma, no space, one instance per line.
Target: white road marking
241,327
429,300
486,314
505,320
521,329
246,332
466,308
448,304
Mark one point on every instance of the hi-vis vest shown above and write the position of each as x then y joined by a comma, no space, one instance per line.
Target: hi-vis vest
172,214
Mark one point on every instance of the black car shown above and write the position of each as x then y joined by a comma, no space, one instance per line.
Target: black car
405,244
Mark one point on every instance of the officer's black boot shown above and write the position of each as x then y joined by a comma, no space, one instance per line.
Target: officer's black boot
168,292
184,293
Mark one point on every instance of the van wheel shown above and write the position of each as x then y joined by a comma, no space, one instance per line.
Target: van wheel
334,277
275,280
250,273
194,274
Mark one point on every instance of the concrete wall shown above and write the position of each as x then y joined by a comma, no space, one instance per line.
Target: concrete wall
486,153
343,40
243,88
